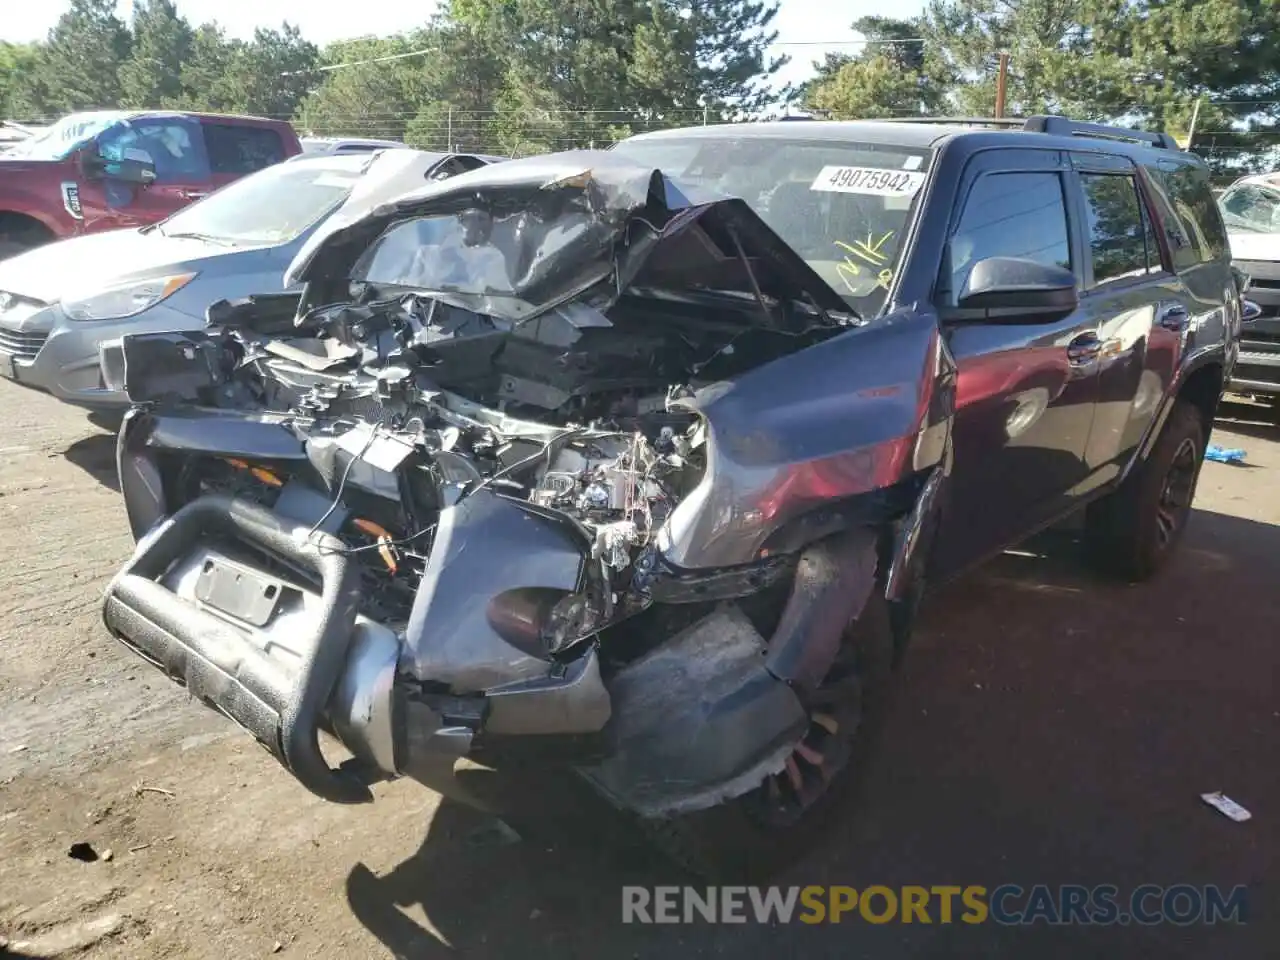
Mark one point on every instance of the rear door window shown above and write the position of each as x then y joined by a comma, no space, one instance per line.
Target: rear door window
1010,215
1121,243
237,150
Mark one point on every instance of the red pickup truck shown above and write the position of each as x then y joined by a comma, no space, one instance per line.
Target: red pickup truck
105,170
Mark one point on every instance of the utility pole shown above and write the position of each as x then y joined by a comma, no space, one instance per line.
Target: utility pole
1191,130
1002,82
449,135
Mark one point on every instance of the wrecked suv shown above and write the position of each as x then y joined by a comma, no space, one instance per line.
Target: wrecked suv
638,461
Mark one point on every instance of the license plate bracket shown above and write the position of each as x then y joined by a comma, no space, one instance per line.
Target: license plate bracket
239,591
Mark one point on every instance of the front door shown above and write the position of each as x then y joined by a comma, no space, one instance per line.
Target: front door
175,145
1026,388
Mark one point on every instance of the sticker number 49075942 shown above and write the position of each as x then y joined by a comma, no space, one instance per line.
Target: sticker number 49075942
874,181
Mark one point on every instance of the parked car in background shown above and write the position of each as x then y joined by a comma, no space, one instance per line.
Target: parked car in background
61,302
312,146
106,170
639,461
1251,211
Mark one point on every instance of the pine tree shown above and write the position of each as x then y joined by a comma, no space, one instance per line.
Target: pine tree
152,76
892,75
80,62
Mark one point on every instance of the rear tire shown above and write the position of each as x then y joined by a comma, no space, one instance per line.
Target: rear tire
1132,532
754,836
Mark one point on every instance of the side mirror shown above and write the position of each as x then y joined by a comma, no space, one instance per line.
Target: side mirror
1249,311
136,167
1019,288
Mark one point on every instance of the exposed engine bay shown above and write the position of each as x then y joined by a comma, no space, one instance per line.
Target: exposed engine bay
411,405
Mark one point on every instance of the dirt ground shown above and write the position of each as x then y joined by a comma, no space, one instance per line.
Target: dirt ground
1048,729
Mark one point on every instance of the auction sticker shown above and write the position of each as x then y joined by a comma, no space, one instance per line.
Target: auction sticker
873,181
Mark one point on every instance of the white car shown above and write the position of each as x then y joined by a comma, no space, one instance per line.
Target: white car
1251,211
316,146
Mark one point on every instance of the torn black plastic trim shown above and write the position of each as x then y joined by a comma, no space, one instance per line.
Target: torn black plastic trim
173,367
660,581
222,667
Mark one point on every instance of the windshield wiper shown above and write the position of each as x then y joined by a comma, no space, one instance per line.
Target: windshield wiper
207,237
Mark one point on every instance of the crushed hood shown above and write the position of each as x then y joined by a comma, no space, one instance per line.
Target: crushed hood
516,238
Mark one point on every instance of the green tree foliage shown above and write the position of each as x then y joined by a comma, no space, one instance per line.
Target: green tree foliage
458,87
520,76
79,64
893,75
374,98
270,75
1143,62
205,74
162,42
20,96
733,69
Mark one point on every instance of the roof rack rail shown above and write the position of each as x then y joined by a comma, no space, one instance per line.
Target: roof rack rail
1054,126
1064,127
958,121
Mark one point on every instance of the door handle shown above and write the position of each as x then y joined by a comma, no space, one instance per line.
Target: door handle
1084,349
1173,316
193,194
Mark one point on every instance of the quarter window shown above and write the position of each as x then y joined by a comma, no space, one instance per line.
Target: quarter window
1010,215
1119,244
1198,234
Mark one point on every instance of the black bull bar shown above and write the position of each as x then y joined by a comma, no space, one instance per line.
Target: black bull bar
219,665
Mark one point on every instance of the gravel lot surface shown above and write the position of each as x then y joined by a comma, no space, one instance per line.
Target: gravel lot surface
1049,728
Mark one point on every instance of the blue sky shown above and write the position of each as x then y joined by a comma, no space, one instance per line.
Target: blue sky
807,28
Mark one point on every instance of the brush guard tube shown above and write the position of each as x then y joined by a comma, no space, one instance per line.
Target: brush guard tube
222,667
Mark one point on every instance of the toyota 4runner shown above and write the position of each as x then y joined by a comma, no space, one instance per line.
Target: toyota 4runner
638,461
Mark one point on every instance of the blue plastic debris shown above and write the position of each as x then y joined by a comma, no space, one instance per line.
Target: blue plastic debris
1215,452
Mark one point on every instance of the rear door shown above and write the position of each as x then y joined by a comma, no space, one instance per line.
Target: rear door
236,150
1142,308
175,145
1026,388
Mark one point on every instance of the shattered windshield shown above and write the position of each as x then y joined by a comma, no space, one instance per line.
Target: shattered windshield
66,136
1251,208
843,207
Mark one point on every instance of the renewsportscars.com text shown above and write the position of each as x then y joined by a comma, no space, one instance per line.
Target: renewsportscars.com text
1008,904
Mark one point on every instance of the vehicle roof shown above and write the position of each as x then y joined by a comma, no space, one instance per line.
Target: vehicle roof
333,141
337,161
917,136
197,114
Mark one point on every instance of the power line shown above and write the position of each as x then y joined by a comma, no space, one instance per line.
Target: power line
417,53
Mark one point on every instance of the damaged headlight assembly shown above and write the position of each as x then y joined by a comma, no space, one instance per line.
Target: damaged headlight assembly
126,299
